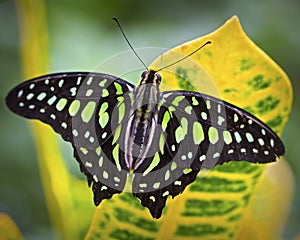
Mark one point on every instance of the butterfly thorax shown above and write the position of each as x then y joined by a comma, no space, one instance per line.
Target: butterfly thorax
143,119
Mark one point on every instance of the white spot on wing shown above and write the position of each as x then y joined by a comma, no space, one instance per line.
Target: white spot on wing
20,93
208,104
104,135
272,142
52,100
78,81
64,125
173,148
237,137
88,164
204,115
75,132
95,179
261,142
254,150
29,96
61,82
73,91
89,81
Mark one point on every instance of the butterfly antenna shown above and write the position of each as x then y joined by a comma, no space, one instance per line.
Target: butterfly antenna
181,59
119,25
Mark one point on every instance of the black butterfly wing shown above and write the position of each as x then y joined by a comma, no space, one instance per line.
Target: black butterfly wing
199,131
229,132
70,103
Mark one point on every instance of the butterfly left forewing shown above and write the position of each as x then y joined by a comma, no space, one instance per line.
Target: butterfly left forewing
70,104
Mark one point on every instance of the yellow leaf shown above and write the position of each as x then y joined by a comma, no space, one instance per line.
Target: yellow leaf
8,228
232,68
270,205
67,198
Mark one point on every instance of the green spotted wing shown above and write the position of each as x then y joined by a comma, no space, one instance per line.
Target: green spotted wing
188,131
198,131
71,104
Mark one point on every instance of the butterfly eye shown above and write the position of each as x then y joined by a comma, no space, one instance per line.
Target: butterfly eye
158,78
144,74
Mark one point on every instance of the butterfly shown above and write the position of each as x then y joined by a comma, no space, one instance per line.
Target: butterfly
163,139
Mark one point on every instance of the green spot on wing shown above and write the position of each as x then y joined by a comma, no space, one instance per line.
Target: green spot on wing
227,137
103,115
105,93
187,170
161,143
118,87
121,108
88,111
153,164
115,154
213,135
177,100
198,133
181,131
116,135
165,120
74,107
194,101
61,104
102,83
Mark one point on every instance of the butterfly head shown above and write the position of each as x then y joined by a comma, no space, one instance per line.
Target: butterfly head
150,77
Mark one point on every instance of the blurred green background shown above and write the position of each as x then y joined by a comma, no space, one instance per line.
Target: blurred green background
82,34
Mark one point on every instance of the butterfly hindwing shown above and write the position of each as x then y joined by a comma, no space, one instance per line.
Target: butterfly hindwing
70,104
